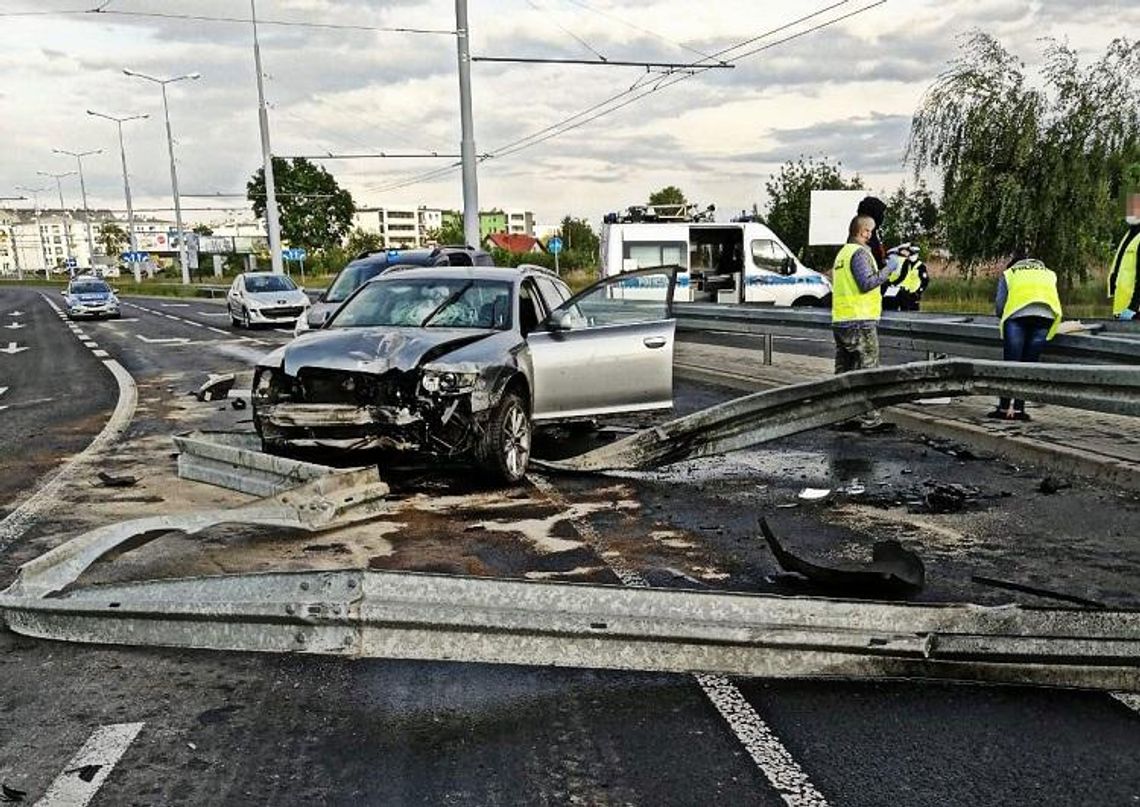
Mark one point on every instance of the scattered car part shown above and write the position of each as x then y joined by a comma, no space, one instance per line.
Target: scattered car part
894,570
238,403
771,414
1050,485
121,481
947,497
814,494
235,460
324,503
1036,590
216,387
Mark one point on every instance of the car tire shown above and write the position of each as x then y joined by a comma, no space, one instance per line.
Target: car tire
504,449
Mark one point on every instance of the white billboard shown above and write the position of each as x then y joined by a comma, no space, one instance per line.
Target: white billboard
830,216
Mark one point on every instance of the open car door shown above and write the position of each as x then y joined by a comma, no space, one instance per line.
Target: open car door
608,349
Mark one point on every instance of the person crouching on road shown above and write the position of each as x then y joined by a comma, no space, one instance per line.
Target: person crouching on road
1030,311
856,306
1123,289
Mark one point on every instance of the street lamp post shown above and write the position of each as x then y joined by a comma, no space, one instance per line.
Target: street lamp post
126,185
173,171
35,192
15,246
79,155
272,221
471,230
62,210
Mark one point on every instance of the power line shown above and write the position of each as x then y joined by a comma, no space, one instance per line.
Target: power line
596,63
601,13
570,33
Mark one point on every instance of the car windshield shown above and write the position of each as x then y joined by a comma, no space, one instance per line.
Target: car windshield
90,287
429,303
260,283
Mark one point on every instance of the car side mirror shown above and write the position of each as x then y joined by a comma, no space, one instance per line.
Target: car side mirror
114,291
789,265
325,316
561,321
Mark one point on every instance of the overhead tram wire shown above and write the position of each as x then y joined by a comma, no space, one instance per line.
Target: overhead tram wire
583,5
567,31
584,116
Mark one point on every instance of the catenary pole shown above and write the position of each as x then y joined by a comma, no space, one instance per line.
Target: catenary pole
272,219
467,144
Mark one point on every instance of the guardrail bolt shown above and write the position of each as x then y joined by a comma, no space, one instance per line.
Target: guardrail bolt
290,609
304,586
300,638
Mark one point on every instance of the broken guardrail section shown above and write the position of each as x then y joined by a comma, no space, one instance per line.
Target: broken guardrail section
769,415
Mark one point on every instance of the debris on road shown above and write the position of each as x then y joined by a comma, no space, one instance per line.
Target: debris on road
814,494
10,795
945,497
238,403
1050,485
216,387
113,481
1009,585
894,570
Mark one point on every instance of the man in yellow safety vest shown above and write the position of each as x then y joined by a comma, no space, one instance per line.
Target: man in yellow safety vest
856,307
1030,311
908,280
1123,289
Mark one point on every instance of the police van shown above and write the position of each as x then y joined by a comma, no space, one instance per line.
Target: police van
721,262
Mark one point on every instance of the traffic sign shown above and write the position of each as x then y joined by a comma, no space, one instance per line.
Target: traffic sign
293,254
135,257
71,263
554,245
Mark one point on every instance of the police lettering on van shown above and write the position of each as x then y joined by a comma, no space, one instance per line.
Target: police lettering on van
730,262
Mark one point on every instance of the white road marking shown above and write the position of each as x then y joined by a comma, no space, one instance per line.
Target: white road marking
212,314
174,305
15,326
85,773
173,340
774,760
195,324
15,313
13,349
1128,699
218,330
102,354
2,391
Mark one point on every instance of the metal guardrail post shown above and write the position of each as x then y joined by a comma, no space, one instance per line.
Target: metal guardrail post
768,349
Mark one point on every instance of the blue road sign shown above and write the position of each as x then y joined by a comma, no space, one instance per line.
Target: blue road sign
71,263
554,245
293,254
134,257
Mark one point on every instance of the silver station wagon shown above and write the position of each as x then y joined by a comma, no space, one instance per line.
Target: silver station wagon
460,363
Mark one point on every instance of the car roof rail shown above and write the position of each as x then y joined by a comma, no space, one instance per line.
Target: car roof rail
534,267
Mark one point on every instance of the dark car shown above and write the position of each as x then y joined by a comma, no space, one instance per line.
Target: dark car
369,265
457,363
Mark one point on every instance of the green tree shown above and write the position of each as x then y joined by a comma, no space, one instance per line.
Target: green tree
1031,162
451,232
360,241
112,238
314,211
578,237
669,195
912,216
203,229
789,204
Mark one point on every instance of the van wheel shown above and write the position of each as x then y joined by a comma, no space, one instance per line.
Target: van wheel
504,448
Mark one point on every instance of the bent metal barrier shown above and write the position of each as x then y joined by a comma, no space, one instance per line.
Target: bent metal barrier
951,334
769,415
357,613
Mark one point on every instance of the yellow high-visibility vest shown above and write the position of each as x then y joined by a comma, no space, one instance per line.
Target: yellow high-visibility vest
1126,275
847,301
1029,282
913,280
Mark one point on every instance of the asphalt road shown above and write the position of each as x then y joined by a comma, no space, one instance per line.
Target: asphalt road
281,730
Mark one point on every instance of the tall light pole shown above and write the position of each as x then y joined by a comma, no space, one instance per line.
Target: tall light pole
126,185
35,192
63,212
79,155
173,171
467,126
272,221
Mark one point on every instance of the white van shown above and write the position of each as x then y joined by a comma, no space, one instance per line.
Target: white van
732,262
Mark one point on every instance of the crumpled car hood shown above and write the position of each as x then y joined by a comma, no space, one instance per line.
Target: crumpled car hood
371,350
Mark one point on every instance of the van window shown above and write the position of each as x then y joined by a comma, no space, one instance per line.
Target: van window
770,256
660,253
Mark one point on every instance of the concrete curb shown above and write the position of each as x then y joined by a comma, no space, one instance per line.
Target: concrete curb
1051,456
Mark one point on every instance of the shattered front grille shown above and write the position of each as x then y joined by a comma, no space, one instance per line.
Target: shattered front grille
363,389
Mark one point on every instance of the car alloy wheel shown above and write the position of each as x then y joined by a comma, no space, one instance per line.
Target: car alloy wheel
516,440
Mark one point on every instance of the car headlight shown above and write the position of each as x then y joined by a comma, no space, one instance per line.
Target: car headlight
448,382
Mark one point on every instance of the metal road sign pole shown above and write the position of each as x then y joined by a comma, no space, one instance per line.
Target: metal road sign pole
467,144
174,189
272,221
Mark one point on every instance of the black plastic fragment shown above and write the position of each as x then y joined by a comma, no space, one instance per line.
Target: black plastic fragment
894,570
112,481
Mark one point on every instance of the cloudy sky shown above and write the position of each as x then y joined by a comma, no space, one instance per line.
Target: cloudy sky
845,91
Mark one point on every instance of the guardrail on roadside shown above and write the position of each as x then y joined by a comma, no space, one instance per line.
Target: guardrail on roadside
950,334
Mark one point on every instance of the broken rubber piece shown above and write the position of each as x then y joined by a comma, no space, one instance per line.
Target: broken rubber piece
894,570
216,387
112,481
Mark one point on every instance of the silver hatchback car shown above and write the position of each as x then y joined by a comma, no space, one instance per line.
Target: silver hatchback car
460,362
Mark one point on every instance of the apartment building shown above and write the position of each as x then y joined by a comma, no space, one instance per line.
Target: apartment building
399,227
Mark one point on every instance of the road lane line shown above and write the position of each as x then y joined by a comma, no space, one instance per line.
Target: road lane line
17,522
1130,700
85,773
218,330
195,324
102,354
775,762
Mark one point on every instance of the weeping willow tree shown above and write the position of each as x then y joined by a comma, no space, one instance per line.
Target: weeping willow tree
1031,162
